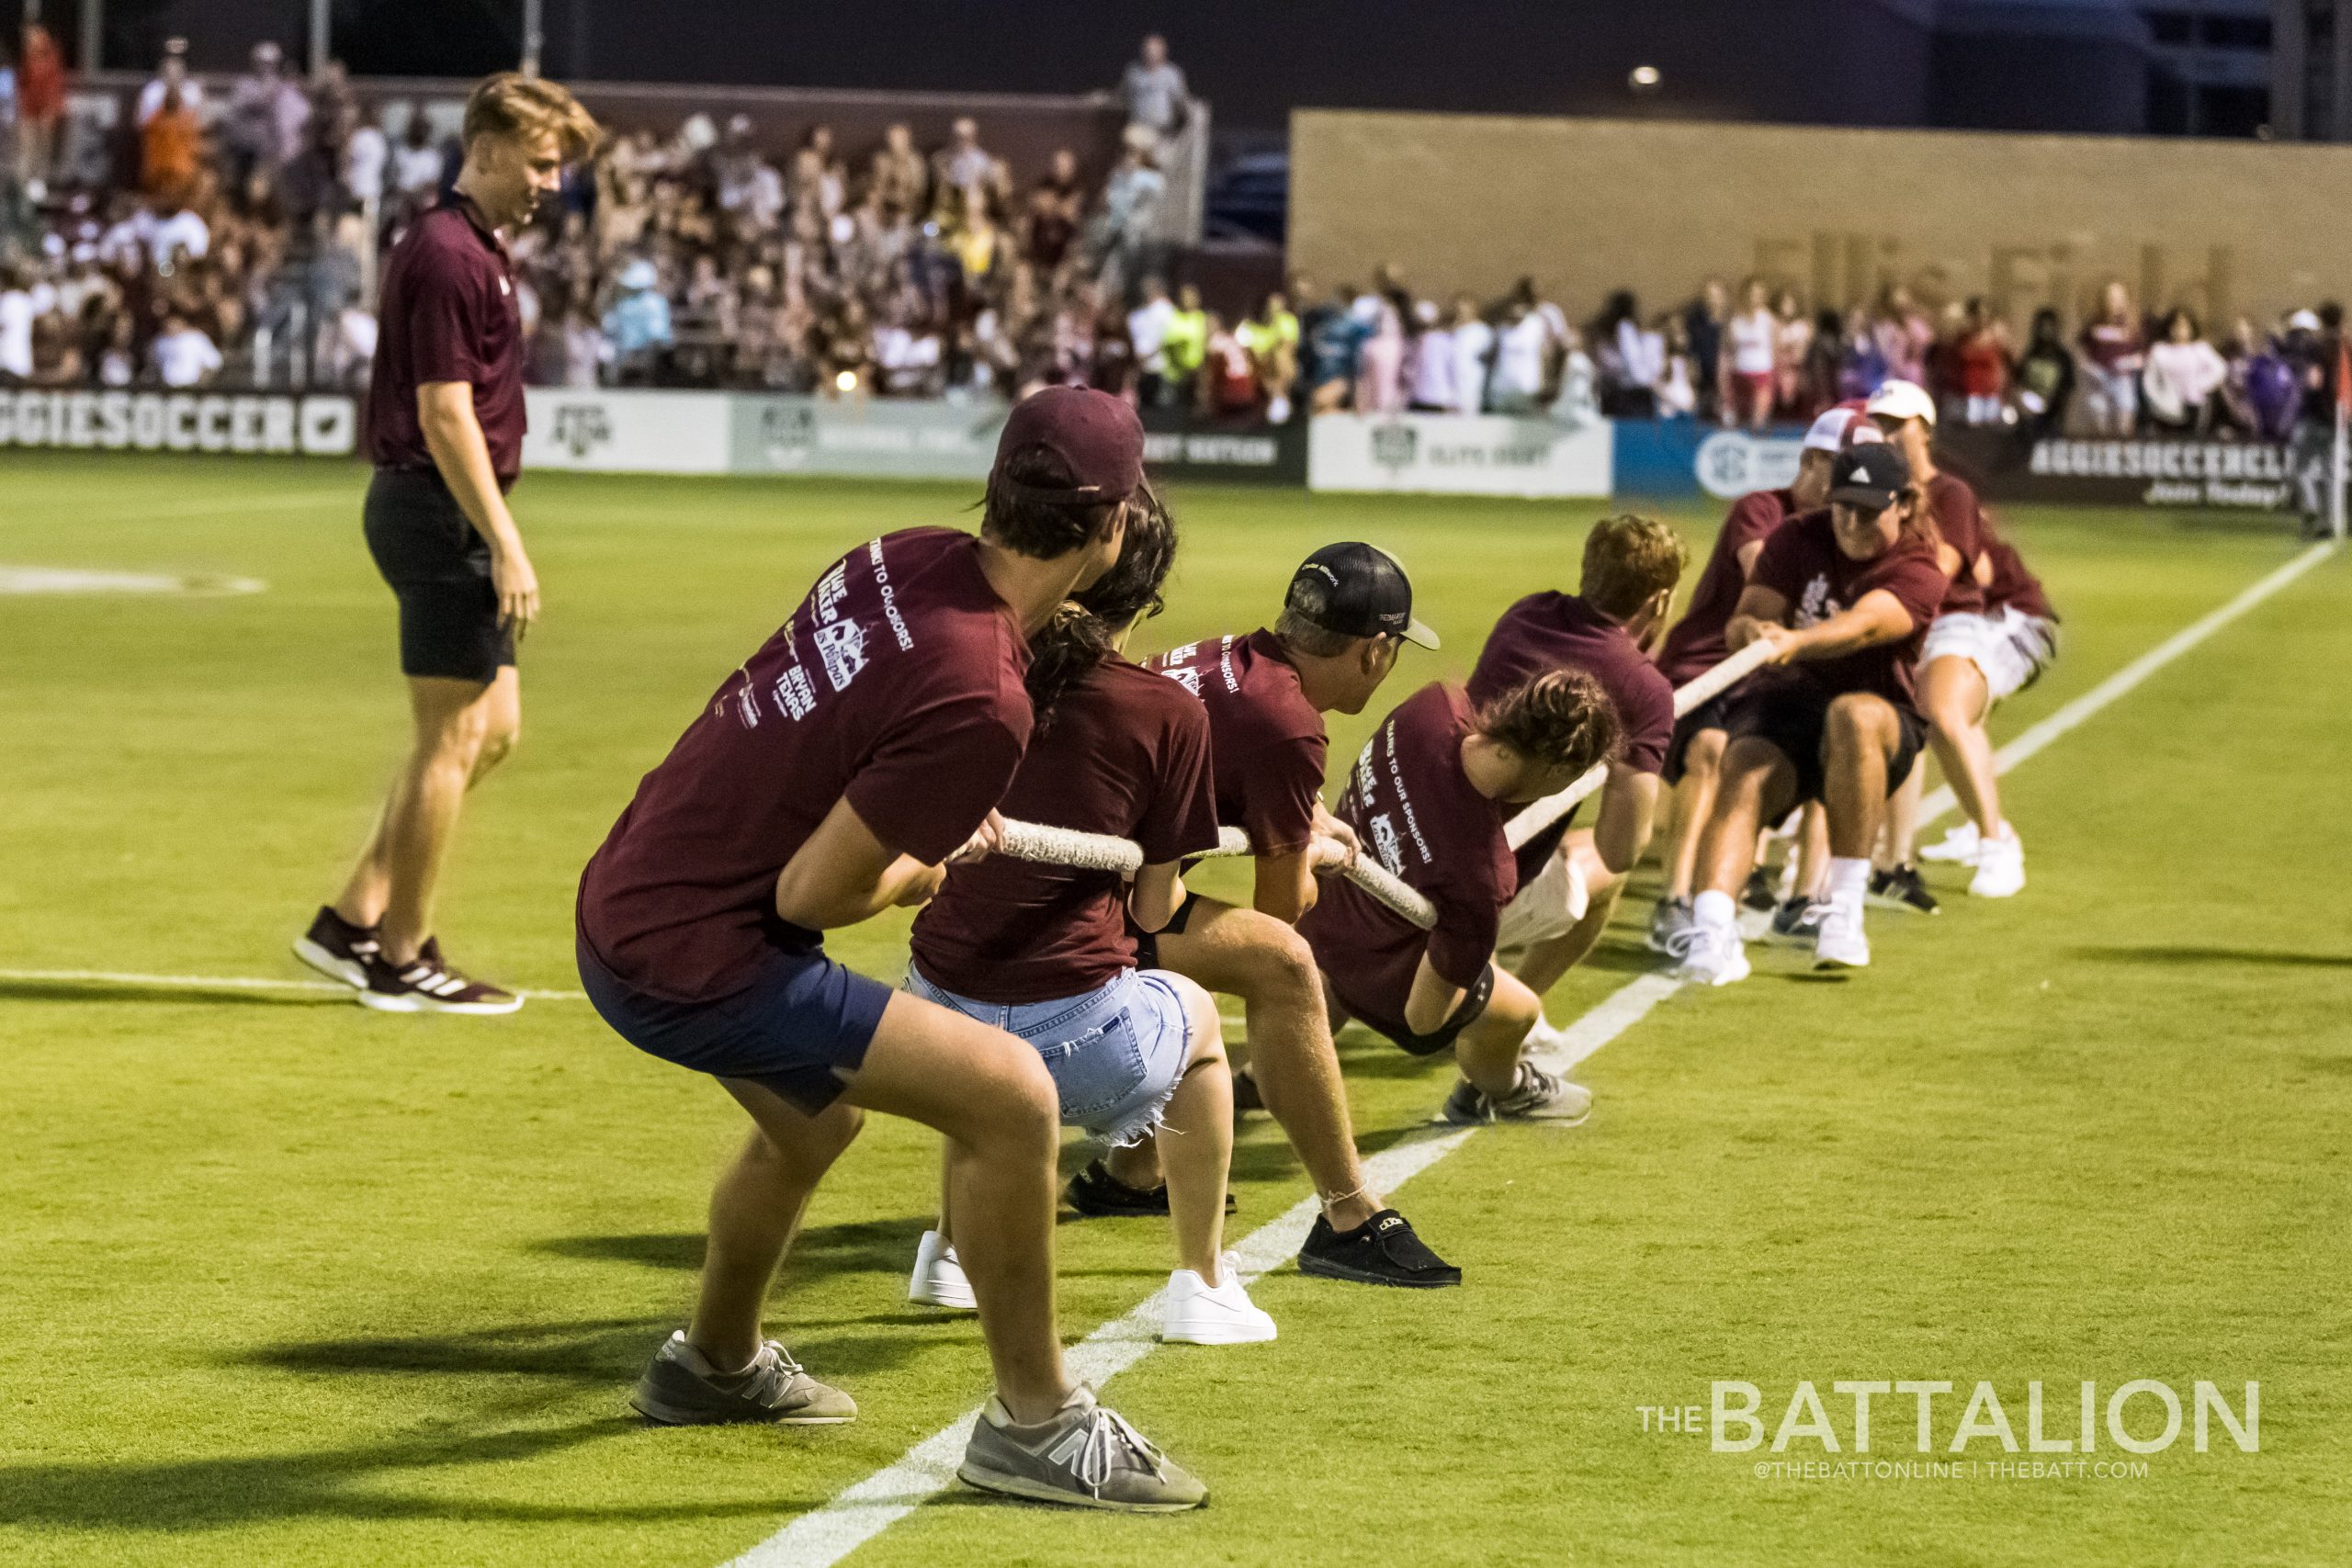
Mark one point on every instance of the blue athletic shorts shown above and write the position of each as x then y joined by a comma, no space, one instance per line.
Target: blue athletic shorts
1117,1053
795,1029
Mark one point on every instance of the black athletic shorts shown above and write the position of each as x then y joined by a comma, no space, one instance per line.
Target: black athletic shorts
1709,715
439,570
1793,714
1465,1013
1147,943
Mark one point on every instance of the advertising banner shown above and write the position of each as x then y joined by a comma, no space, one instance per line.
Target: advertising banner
324,425
1669,460
2209,475
1180,449
875,438
1459,454
627,431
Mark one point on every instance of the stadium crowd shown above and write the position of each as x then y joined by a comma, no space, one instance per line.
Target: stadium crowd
1761,356
238,238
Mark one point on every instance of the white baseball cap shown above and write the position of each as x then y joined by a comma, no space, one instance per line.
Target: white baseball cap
1831,431
1902,400
2303,322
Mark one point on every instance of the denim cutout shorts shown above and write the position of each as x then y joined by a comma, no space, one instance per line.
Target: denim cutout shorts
1116,1054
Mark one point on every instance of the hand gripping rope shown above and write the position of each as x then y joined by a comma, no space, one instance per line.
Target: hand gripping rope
1101,851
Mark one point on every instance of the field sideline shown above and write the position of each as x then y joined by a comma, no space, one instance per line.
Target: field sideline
292,1283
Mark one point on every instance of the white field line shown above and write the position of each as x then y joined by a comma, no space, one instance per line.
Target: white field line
220,982
825,1535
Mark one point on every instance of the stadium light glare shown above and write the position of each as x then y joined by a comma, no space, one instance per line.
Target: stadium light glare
846,381
1643,79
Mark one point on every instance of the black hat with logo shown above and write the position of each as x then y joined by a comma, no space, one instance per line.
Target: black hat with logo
1356,590
1869,476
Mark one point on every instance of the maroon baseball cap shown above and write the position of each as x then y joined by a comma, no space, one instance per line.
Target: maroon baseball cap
1096,436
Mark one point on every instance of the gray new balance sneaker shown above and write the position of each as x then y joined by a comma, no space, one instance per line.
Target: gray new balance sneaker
682,1389
1538,1096
1086,1457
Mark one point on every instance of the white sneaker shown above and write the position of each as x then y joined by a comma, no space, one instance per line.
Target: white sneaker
1716,956
2000,866
1956,847
1839,943
1545,1037
1200,1313
938,1280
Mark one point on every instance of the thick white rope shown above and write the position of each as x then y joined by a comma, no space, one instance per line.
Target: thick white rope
1523,829
1101,851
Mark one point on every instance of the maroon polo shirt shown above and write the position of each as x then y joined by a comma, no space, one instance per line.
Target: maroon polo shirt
1418,815
447,312
1695,643
1802,563
1961,523
896,684
1127,754
2013,586
1266,740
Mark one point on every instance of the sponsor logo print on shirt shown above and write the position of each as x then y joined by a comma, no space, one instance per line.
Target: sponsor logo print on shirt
840,645
1818,605
1386,845
796,694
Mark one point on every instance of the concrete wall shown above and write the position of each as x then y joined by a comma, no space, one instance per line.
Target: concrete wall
1473,202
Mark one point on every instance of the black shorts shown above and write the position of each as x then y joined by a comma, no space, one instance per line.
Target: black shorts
1147,943
1466,1012
795,1029
1792,714
439,570
1709,715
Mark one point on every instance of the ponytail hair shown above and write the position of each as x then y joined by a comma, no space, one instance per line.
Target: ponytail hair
1563,718
1085,629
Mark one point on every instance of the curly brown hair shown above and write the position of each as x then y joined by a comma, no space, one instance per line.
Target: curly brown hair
1629,560
1562,719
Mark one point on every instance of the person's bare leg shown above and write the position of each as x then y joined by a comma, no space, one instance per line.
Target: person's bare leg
1489,1051
1269,965
755,1211
1757,782
1694,803
462,730
991,1095
1196,1143
1952,698
1860,736
1812,852
1899,816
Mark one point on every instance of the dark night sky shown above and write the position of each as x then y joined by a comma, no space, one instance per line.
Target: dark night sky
1838,61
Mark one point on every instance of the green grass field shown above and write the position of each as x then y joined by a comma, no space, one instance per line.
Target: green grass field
286,1281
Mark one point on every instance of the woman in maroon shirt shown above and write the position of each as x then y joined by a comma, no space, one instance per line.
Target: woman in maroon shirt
1046,952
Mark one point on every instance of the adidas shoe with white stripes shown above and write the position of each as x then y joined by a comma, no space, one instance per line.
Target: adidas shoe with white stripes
427,983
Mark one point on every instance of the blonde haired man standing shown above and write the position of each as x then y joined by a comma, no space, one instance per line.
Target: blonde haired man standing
445,427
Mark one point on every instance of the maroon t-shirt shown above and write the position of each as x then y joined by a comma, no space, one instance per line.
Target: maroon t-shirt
1265,738
897,684
2014,586
449,313
1544,632
1695,643
1415,809
1961,523
1127,754
1802,563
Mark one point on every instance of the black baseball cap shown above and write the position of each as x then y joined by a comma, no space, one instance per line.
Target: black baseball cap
1870,476
1356,590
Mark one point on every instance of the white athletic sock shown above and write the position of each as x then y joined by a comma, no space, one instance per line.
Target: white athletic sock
1850,879
1711,909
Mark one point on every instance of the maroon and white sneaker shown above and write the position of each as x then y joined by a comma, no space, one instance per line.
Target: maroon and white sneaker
428,984
337,949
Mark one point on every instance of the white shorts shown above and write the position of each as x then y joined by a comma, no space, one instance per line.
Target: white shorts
1547,908
2010,648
